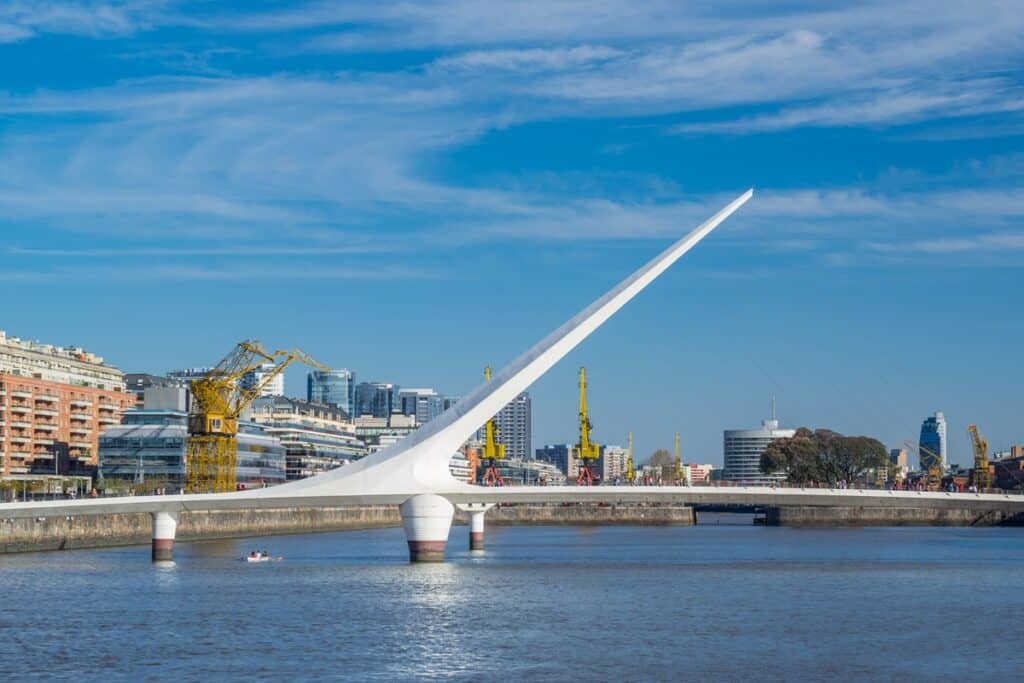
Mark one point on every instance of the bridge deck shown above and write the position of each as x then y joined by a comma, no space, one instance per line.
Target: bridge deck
683,495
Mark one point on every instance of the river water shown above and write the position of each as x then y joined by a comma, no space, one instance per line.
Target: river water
548,603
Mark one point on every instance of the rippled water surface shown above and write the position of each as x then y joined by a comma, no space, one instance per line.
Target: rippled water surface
570,604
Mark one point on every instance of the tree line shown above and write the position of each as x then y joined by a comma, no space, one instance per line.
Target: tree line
824,457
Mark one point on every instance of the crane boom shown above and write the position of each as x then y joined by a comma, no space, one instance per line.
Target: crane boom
630,472
678,471
981,475
933,466
492,449
586,449
218,401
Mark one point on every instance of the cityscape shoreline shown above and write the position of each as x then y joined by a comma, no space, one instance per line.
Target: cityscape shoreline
101,531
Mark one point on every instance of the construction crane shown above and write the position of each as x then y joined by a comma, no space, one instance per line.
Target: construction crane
492,449
217,402
677,473
630,472
587,451
933,465
981,475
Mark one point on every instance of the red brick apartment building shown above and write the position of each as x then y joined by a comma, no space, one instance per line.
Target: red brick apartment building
54,403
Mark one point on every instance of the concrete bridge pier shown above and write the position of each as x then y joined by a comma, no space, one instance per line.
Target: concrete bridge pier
165,524
476,512
427,519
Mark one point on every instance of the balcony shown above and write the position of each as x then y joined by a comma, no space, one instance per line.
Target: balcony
21,394
44,427
109,407
104,420
81,430
46,398
20,439
43,455
80,403
22,410
47,412
81,417
81,444
21,424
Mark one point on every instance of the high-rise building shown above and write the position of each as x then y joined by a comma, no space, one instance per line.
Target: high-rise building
256,377
613,463
336,387
743,449
378,399
515,431
933,437
425,404
54,403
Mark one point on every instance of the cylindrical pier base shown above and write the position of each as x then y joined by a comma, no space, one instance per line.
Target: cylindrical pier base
476,530
165,525
427,519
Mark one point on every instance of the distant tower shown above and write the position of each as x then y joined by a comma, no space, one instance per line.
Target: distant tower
933,438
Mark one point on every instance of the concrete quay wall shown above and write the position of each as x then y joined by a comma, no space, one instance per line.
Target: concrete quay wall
880,516
97,531
591,515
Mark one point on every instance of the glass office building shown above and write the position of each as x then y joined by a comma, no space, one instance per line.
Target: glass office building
933,438
149,446
336,387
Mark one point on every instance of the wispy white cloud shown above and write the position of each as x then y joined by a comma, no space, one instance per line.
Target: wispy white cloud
188,273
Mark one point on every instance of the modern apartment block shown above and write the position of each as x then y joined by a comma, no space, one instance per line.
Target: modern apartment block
54,403
515,427
613,463
317,437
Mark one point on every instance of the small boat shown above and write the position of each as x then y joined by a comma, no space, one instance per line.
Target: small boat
261,556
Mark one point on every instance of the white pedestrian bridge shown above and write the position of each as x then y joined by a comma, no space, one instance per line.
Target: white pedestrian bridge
413,473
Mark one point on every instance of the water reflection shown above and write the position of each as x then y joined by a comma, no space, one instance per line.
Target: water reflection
700,602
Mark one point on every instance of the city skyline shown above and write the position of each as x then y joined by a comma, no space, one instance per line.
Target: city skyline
479,187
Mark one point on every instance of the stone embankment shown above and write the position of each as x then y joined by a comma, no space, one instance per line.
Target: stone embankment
95,531
866,516
591,515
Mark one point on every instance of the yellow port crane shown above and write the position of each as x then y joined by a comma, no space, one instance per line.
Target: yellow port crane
677,473
981,475
630,472
933,466
217,402
587,451
492,449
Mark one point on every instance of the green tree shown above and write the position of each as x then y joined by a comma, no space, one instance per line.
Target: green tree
823,456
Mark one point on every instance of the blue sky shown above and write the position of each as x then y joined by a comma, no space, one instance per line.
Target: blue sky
414,190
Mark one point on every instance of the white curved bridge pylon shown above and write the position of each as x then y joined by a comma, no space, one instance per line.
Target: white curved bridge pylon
418,464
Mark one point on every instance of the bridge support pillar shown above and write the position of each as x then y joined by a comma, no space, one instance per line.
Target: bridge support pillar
427,519
165,524
476,512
